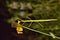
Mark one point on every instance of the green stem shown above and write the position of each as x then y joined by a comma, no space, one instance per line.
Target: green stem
39,20
40,32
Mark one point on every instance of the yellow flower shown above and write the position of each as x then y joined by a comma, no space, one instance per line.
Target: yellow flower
19,28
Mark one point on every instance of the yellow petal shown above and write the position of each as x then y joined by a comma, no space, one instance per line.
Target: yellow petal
19,29
19,32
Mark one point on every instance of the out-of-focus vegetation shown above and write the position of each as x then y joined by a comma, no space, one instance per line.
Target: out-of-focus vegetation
36,10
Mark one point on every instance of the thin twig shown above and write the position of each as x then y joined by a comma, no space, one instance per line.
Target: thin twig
39,20
30,23
41,25
40,32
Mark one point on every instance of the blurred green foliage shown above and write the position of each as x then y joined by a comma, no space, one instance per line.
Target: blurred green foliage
42,9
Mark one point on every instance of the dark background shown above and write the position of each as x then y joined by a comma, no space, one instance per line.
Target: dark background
6,32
